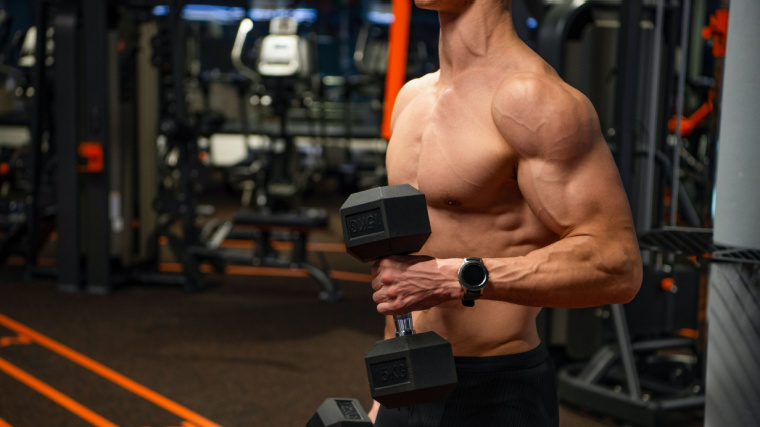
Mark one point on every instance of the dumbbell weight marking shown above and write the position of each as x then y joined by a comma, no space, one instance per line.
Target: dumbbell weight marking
364,223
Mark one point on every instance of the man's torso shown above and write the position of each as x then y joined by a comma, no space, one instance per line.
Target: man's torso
446,144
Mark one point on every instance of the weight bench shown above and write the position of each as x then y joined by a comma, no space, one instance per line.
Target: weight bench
259,226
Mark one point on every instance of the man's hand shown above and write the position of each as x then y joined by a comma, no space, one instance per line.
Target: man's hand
413,282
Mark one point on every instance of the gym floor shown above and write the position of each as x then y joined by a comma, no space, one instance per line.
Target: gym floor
254,349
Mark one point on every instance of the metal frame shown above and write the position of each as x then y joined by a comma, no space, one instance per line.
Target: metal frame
83,115
627,90
582,385
94,45
66,104
585,384
38,122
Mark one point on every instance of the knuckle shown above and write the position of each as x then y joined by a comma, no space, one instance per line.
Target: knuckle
392,292
386,277
397,305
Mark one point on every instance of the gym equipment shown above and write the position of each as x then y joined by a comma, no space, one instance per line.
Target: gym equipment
385,221
297,224
733,305
633,377
339,412
284,65
410,368
283,52
627,375
284,61
27,176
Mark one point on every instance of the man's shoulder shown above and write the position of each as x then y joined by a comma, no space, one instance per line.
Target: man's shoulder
535,110
420,84
537,88
409,92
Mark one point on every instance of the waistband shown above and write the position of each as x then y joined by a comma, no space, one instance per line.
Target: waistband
524,360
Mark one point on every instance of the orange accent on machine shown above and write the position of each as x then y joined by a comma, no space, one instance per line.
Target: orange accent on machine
717,30
688,124
668,284
90,157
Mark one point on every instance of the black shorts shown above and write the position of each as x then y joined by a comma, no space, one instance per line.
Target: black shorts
514,390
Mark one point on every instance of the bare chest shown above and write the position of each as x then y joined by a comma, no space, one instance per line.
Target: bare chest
447,146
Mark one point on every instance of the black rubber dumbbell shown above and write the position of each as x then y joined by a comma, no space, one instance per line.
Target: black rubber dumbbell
410,368
339,412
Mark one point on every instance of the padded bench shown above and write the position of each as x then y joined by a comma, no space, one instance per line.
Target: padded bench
299,223
304,218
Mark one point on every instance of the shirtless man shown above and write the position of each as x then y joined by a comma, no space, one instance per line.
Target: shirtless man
515,171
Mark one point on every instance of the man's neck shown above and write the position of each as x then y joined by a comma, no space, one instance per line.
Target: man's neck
470,37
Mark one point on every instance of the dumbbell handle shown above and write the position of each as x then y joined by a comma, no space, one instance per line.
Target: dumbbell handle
403,324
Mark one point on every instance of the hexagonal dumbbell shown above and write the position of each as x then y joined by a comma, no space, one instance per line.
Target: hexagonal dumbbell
339,412
410,368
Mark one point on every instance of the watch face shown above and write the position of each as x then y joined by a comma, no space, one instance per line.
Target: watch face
474,276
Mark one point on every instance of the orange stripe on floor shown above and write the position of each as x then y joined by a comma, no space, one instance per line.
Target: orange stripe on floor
242,270
107,373
346,275
18,261
247,270
3,423
285,246
326,247
56,396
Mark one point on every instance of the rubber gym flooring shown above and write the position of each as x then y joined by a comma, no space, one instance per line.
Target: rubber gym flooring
256,349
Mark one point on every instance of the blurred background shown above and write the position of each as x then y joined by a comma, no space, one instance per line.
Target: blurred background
171,173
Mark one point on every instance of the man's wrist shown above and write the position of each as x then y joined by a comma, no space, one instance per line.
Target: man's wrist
449,269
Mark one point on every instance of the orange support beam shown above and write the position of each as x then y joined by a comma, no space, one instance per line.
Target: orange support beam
688,124
398,47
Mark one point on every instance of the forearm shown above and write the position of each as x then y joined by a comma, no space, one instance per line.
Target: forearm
577,271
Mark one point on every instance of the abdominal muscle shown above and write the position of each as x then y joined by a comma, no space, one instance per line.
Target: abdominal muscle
491,327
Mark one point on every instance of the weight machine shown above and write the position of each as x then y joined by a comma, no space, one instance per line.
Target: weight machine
644,371
176,200
27,211
111,109
284,61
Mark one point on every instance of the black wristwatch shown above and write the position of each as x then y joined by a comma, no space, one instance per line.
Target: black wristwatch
473,276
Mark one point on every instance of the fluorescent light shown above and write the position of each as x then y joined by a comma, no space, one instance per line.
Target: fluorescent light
203,12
